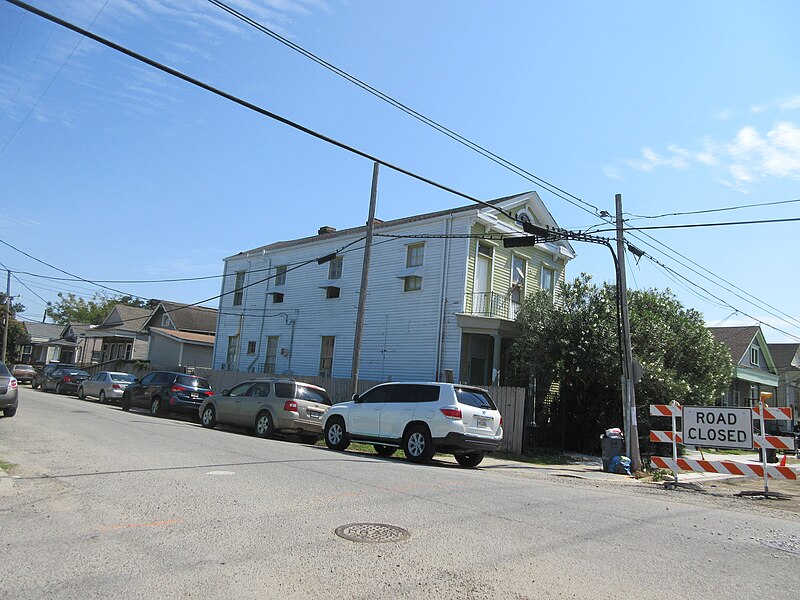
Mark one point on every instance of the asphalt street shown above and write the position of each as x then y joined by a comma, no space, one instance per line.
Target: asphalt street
108,504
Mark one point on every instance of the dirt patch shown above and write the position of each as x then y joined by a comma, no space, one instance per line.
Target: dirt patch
788,491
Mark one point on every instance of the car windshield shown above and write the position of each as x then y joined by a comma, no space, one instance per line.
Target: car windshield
190,381
476,398
122,377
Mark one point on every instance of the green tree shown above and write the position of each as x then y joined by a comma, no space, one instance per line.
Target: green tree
576,344
73,309
16,331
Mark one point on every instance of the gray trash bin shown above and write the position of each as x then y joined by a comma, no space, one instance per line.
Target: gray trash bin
612,444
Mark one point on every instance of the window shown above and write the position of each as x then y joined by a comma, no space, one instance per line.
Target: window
251,347
415,254
754,356
517,279
284,389
475,398
241,389
261,390
233,351
280,275
412,283
548,279
128,351
272,354
332,291
148,379
165,320
277,297
238,292
191,381
326,356
335,268
312,395
376,395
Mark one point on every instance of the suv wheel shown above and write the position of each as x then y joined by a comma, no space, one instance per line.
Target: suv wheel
264,426
385,450
417,444
126,401
155,407
336,435
34,385
209,418
469,460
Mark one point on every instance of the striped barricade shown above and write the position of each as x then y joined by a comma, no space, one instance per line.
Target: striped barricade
723,467
767,441
774,414
665,410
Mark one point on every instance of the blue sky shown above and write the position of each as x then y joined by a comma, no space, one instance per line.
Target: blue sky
114,171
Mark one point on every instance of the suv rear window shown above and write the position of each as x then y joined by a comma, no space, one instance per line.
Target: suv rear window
190,381
476,398
4,370
312,395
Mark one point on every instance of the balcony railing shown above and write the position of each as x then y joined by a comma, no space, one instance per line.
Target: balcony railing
492,304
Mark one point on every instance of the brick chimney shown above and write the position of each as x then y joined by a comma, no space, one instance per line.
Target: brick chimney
326,229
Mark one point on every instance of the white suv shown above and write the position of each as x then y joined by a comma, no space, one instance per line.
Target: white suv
420,418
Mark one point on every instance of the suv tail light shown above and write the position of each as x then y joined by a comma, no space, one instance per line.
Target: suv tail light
209,393
501,421
451,412
13,383
115,386
290,406
67,379
178,388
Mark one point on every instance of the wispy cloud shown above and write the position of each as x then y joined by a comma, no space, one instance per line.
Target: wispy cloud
748,157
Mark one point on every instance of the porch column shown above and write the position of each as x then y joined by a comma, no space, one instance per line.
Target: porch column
496,358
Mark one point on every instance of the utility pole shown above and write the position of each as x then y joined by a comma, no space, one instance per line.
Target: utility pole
7,315
362,294
628,395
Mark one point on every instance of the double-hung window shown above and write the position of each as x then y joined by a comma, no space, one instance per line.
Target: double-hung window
326,356
415,256
238,288
335,268
548,280
280,275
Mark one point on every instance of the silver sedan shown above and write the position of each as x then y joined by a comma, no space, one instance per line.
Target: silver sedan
107,386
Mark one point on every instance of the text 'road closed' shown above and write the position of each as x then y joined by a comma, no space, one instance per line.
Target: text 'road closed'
717,427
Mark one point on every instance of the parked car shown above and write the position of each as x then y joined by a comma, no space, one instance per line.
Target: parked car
23,373
420,418
166,391
66,380
46,371
107,386
9,392
270,406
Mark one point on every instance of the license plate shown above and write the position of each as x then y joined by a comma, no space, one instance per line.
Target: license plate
483,421
195,396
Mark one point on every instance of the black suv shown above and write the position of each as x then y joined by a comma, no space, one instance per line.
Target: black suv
46,371
166,391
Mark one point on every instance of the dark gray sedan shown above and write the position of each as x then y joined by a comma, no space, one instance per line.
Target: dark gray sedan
9,392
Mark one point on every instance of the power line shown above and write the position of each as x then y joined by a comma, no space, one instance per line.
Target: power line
507,164
244,103
709,210
720,224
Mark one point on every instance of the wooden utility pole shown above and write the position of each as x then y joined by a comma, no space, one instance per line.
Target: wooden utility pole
7,315
628,394
362,294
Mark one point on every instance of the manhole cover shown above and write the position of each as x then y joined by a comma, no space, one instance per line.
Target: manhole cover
372,533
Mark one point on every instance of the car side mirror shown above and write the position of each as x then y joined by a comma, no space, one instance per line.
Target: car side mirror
226,392
356,398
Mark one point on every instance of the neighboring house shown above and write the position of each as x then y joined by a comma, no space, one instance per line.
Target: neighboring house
41,343
754,369
439,301
787,361
181,335
75,335
120,336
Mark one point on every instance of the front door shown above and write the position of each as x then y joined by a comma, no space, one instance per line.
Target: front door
365,414
228,406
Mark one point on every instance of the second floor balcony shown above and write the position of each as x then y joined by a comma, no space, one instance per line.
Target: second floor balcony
492,304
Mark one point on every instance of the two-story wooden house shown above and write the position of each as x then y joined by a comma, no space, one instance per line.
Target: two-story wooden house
442,296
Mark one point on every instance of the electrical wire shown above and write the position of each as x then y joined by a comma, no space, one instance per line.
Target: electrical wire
693,225
709,210
505,163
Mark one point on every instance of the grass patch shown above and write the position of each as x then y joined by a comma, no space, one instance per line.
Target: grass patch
730,451
7,466
355,446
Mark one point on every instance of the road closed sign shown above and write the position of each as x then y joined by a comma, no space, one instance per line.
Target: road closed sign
717,427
